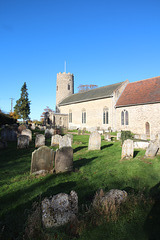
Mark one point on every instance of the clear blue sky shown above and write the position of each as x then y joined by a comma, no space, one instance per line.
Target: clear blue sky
102,41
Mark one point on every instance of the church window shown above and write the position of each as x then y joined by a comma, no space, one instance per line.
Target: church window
68,86
105,116
70,116
83,116
124,117
57,88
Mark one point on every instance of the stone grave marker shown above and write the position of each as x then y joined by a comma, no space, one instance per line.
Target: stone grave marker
49,132
40,140
143,137
23,141
3,144
59,210
8,133
127,149
55,139
42,160
70,136
64,160
119,136
79,131
65,141
94,141
28,133
107,137
152,149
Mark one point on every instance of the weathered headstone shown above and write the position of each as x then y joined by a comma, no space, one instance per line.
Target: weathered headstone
3,144
113,197
65,141
40,140
143,137
139,144
118,136
64,159
59,210
8,133
49,132
21,128
79,131
136,136
127,149
107,137
55,139
94,141
42,160
153,137
70,136
33,126
28,133
23,141
152,149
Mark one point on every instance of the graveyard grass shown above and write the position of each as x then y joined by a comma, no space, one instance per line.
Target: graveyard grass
138,218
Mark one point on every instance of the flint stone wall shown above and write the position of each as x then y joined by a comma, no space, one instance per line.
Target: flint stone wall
94,141
127,149
23,141
64,159
59,210
28,133
42,159
40,140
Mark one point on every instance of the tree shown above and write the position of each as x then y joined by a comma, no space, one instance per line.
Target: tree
84,88
22,107
43,115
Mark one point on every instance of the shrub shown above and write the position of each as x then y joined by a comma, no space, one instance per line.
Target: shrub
126,135
6,119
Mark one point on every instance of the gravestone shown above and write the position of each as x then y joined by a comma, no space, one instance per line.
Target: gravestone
42,160
23,141
59,210
113,197
3,144
136,136
70,136
64,159
8,133
153,137
21,128
40,140
49,132
55,139
79,132
94,141
118,136
142,145
143,137
107,137
127,149
152,149
65,141
33,126
28,133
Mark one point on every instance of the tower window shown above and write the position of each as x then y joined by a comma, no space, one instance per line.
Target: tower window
57,88
68,86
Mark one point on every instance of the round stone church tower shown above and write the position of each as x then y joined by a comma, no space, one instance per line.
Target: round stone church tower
65,87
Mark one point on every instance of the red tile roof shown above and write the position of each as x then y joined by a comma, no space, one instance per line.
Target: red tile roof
141,92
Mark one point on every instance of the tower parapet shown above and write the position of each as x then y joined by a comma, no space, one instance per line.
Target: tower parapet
64,87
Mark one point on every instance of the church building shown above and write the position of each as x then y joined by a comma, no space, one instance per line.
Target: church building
119,106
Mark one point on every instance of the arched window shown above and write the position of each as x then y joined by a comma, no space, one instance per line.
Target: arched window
70,116
57,87
68,86
126,118
122,118
105,115
83,116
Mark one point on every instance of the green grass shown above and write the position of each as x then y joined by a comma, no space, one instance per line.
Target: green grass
93,170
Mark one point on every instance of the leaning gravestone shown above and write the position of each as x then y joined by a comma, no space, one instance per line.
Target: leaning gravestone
40,140
55,139
152,149
23,141
28,133
65,141
127,149
70,136
59,210
42,160
64,159
94,141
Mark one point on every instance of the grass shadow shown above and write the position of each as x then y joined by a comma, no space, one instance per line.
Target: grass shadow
82,162
106,146
78,149
135,153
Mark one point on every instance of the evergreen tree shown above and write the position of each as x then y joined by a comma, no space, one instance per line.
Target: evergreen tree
22,107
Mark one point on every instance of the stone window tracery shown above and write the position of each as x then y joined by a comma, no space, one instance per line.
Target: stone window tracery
83,116
105,115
